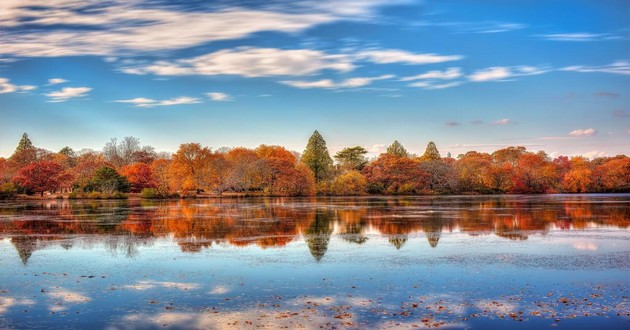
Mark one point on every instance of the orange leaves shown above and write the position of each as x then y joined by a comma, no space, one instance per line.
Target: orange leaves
140,176
39,177
394,175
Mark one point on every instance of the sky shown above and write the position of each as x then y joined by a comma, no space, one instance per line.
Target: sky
468,75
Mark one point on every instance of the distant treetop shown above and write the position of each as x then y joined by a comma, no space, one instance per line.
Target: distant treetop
397,149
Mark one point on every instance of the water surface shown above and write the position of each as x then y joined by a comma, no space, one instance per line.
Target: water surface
368,262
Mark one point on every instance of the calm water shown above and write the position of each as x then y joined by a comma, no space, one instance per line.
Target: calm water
357,263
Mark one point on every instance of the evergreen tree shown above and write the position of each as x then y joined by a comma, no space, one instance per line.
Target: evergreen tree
316,156
397,149
352,158
25,143
68,152
431,153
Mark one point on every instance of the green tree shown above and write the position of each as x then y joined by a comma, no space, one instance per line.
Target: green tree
431,153
352,158
24,144
397,149
67,151
107,180
316,157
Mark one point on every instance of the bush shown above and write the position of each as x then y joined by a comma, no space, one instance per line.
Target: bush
150,193
7,190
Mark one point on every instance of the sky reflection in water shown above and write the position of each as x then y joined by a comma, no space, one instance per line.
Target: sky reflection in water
510,261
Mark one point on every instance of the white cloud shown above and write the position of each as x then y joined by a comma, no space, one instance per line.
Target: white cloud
583,132
499,73
594,154
377,149
328,83
216,96
387,56
54,81
579,36
67,93
120,26
503,121
7,87
432,85
142,102
449,74
619,67
27,88
250,62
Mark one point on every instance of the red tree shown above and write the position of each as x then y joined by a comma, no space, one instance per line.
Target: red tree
392,174
140,176
39,177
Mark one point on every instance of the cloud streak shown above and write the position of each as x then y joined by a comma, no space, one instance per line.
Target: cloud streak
249,62
618,67
142,102
503,73
330,84
70,27
7,87
68,93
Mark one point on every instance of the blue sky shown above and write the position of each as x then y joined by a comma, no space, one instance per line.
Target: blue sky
469,75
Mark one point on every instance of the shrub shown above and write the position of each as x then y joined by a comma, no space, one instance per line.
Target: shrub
7,190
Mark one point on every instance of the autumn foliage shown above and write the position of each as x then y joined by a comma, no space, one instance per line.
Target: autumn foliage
276,171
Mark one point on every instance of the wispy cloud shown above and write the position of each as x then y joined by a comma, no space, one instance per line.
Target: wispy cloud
476,27
249,62
55,81
69,27
219,97
594,154
504,121
579,36
67,93
448,74
619,67
612,95
452,123
502,73
7,87
387,56
429,85
142,102
583,132
330,84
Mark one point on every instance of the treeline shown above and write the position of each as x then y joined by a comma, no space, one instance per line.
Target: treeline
126,166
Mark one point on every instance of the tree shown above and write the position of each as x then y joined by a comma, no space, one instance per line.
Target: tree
107,180
578,178
397,149
392,174
246,169
614,175
189,166
352,158
351,183
86,166
282,176
39,177
140,176
121,154
161,174
25,143
431,153
316,157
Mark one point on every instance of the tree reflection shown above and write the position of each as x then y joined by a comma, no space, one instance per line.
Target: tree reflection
317,235
122,227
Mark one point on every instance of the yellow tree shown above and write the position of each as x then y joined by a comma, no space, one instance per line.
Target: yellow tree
189,166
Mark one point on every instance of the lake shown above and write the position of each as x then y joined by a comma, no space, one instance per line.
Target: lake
482,262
